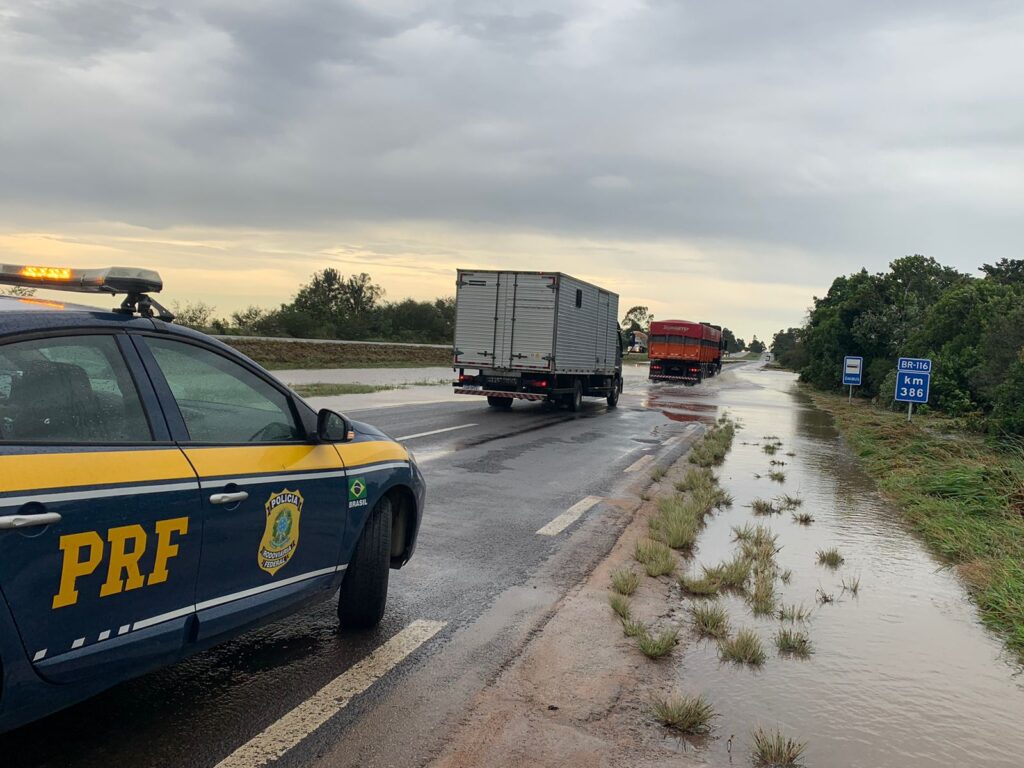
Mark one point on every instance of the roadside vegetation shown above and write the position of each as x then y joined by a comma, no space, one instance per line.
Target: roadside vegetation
774,750
328,390
283,354
687,714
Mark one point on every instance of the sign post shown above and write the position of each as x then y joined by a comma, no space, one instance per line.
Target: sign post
853,367
913,381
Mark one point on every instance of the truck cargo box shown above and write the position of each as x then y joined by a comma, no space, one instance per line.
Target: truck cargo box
535,321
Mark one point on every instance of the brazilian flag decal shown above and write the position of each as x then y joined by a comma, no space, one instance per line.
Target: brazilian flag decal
356,492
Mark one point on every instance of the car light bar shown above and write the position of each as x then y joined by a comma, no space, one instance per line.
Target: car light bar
110,280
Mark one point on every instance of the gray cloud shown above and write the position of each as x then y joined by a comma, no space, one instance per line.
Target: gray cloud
847,135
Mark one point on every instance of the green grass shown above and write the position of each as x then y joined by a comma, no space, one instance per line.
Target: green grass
655,647
712,448
773,750
762,597
655,556
744,648
962,492
794,612
631,628
697,478
730,574
619,604
687,714
625,581
287,354
658,474
329,390
677,522
793,642
703,587
830,557
764,507
710,620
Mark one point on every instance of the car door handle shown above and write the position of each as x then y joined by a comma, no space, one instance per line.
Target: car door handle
8,522
229,498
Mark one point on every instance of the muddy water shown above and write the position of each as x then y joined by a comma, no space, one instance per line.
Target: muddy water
903,674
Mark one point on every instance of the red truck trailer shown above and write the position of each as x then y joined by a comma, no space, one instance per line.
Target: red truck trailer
680,350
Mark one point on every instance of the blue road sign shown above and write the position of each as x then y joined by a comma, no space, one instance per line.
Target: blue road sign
853,367
913,387
915,364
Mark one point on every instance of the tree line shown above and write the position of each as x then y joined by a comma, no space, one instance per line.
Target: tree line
333,306
972,328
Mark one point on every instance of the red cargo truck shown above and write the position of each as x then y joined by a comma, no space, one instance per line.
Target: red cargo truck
683,351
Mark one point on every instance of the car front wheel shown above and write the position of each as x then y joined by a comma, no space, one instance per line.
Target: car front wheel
364,592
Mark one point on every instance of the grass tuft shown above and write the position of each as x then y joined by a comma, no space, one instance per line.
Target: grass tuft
804,518
655,647
770,449
688,714
773,750
711,449
631,628
655,557
731,574
710,620
830,557
762,596
703,587
785,576
764,507
851,585
823,597
625,581
658,474
619,604
787,502
794,612
794,642
777,476
744,648
677,522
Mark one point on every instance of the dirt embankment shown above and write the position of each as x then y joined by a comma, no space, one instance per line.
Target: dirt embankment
272,353
580,694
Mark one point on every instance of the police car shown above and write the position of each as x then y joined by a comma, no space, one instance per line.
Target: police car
161,493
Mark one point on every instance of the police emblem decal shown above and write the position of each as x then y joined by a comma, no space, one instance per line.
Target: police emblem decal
356,492
281,533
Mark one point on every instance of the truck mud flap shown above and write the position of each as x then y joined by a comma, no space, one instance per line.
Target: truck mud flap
500,393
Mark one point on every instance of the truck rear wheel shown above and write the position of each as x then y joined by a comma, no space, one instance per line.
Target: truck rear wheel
499,402
613,396
576,398
364,591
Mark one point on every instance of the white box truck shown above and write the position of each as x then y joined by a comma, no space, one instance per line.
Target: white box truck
536,336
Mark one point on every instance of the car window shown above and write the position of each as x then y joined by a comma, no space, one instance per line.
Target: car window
220,400
75,389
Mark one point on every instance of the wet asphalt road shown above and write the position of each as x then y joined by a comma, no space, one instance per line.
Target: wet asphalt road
480,567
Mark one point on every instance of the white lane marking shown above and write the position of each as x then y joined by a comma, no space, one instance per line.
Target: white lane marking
405,405
640,463
435,432
78,643
40,655
104,634
273,742
570,516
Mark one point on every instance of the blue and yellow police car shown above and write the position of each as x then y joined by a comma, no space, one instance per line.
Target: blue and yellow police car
161,493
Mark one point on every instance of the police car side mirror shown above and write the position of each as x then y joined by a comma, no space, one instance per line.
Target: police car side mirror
332,427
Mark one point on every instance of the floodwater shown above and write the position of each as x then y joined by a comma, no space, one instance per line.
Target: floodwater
903,674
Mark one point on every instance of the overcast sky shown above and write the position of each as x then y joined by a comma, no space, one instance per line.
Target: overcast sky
719,161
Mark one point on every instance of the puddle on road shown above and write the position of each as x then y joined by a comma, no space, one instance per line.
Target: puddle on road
903,674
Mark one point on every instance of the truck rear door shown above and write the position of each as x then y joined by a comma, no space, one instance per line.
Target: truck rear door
531,332
476,319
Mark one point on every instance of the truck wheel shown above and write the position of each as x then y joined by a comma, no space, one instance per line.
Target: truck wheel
499,402
576,398
364,592
613,396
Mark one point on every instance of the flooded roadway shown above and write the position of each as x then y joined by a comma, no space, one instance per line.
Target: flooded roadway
903,673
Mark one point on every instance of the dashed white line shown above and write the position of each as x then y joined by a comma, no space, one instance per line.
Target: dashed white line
570,516
640,463
292,728
435,432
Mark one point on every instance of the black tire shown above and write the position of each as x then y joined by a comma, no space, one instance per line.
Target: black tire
364,592
613,397
499,402
575,401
